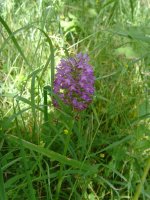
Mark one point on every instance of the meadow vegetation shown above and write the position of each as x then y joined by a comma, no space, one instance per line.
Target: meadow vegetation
101,153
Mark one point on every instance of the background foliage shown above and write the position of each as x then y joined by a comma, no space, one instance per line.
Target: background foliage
100,153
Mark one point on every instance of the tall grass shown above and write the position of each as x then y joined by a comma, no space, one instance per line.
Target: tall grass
100,153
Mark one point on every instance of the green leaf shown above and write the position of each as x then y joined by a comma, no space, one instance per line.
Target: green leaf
53,155
26,101
126,51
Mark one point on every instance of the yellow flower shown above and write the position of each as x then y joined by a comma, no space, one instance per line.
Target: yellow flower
66,132
102,155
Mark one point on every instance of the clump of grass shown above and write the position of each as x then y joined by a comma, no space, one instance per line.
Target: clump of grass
100,153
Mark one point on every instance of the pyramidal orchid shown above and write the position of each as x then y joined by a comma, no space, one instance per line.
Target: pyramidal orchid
74,82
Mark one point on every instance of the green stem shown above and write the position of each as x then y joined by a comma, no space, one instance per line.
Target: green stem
45,105
61,177
139,187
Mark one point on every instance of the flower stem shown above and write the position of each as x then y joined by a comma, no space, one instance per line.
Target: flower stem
61,176
139,187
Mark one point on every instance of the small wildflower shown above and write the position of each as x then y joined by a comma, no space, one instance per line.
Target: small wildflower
66,132
74,82
102,155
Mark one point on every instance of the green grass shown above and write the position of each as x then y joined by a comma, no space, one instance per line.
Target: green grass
101,153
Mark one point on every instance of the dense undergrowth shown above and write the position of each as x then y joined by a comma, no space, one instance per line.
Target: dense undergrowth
100,153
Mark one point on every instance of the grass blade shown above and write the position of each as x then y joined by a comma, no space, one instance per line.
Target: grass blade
14,40
51,57
2,186
53,155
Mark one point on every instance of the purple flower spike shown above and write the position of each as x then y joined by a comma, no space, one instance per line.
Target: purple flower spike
74,82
